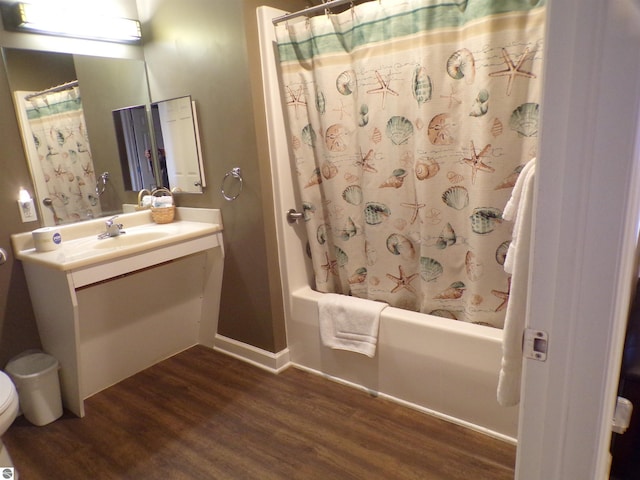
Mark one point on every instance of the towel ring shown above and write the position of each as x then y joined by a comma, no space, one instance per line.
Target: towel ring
234,173
102,179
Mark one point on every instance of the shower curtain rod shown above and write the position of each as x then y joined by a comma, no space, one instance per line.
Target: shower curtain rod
310,11
57,88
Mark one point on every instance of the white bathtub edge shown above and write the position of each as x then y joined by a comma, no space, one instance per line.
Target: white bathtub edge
493,335
404,403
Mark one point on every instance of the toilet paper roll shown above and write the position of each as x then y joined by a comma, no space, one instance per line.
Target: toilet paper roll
46,239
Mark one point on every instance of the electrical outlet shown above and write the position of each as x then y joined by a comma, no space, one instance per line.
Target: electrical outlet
28,211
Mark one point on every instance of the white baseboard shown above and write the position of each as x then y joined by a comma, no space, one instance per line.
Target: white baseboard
273,362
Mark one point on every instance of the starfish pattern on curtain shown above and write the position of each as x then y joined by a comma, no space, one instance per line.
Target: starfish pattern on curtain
409,123
60,137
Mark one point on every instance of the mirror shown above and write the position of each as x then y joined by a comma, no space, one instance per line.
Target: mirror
176,132
177,153
135,146
97,173
67,168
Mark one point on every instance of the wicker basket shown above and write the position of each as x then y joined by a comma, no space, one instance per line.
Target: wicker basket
163,214
141,194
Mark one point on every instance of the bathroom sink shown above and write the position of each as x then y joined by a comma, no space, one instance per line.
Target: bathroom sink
143,240
130,238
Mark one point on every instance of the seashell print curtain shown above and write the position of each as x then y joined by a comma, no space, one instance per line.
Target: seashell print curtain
60,137
409,123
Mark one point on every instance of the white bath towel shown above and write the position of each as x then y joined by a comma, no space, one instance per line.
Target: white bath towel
349,323
511,210
517,263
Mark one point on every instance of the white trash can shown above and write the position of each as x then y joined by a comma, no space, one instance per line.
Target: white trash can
36,378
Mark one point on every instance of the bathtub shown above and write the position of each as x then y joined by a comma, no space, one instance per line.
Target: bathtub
442,367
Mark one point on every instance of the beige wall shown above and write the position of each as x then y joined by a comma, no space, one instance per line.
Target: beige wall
207,49
253,54
18,330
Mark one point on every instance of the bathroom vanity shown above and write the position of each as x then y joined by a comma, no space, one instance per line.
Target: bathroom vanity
109,308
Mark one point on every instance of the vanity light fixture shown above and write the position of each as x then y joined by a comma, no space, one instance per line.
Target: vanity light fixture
56,20
27,208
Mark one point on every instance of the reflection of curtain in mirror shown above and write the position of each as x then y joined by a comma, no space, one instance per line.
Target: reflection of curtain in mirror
60,137
409,122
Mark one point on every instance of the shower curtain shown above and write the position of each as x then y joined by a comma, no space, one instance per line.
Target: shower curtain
409,122
60,137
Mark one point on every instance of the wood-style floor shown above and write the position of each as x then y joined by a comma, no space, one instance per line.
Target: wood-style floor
204,415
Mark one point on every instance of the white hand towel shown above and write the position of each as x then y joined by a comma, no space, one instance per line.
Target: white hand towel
162,201
349,323
518,255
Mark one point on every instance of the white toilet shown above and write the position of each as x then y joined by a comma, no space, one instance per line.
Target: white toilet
8,412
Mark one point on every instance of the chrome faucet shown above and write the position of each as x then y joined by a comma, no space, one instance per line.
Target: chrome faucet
112,229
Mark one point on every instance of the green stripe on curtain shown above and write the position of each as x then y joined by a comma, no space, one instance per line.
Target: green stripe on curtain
60,107
426,18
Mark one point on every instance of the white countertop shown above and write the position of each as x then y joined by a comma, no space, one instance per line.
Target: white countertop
81,247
